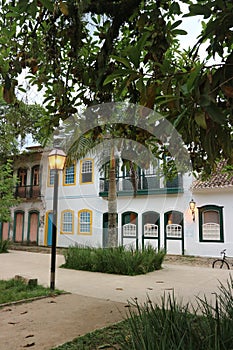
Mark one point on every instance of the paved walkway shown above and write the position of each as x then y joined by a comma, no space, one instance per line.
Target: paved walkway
97,299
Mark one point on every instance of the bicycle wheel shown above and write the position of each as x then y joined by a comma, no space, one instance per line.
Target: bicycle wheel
220,264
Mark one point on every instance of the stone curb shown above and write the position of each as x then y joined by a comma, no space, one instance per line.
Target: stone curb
29,300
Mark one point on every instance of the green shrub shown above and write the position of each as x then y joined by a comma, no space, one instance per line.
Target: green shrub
173,326
4,245
114,260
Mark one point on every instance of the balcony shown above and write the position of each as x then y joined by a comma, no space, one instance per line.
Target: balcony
147,185
28,192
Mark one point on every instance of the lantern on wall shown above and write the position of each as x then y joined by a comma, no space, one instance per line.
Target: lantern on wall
192,207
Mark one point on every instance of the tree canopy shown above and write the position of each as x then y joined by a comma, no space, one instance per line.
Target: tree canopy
87,52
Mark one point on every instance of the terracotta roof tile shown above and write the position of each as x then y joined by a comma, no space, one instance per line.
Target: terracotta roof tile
218,179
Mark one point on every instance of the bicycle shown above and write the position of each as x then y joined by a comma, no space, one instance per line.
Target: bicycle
221,263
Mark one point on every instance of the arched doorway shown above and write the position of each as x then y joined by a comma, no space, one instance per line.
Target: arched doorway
151,229
129,234
174,228
33,226
18,226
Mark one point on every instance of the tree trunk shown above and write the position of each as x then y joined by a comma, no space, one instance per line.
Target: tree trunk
112,204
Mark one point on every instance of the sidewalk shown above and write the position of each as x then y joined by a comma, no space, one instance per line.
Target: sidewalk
97,299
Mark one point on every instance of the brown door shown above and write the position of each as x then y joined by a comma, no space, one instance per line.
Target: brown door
33,227
5,230
19,227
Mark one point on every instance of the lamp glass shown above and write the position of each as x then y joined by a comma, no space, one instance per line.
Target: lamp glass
192,205
57,159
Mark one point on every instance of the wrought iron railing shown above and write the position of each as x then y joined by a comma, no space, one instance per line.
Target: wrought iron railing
27,192
144,183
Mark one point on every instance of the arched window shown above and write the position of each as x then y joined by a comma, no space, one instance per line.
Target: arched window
22,175
211,223
35,175
35,182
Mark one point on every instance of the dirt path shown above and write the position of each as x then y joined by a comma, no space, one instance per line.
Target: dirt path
49,322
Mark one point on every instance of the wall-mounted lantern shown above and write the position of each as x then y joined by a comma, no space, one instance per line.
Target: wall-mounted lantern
192,206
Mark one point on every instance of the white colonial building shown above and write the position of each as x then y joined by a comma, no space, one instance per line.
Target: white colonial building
159,215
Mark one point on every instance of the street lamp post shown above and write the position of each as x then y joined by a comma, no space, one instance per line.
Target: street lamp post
56,162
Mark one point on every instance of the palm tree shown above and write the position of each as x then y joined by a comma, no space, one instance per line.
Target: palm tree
90,143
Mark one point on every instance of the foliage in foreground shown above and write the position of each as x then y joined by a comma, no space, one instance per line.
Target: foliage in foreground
118,260
169,326
14,290
4,245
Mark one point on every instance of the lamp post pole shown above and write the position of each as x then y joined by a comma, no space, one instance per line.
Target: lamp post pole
54,231
56,160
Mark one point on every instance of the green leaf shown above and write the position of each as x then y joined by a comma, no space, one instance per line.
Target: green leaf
48,4
123,60
200,120
174,8
118,74
179,118
205,100
193,76
32,9
179,32
134,52
175,24
197,9
22,6
215,114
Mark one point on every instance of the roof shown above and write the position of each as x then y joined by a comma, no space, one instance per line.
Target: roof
219,179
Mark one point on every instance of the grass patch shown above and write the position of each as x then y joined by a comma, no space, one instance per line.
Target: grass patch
15,290
105,338
171,325
118,260
4,245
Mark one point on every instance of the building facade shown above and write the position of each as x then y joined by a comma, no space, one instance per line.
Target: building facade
158,215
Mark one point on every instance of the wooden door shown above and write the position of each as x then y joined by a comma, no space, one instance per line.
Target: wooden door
5,230
19,221
33,227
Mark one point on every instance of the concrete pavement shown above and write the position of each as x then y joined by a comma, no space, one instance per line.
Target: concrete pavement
186,281
97,300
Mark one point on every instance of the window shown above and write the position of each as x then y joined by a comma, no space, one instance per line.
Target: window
174,224
86,175
211,223
35,175
22,175
69,175
85,222
67,222
51,177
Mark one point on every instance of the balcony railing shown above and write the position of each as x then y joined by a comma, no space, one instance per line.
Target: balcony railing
27,192
146,184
